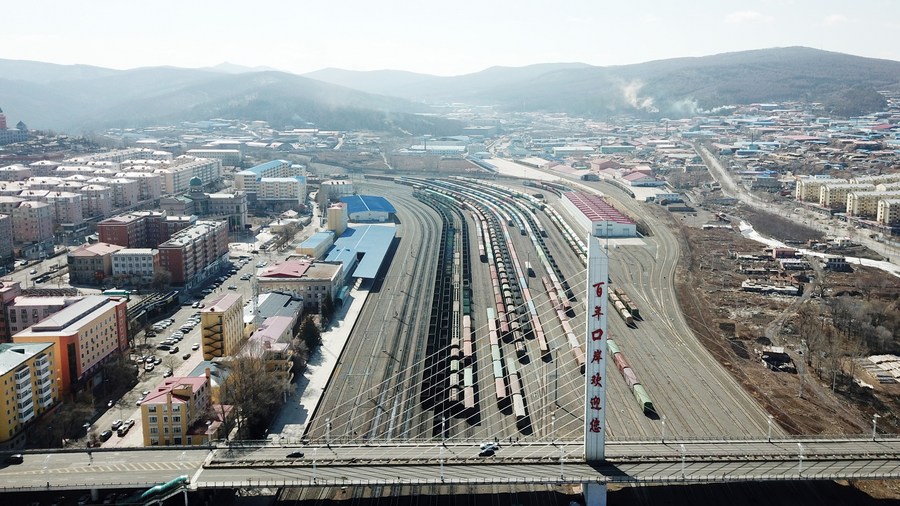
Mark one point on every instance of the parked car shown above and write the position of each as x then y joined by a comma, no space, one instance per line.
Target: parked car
115,425
232,287
186,356
168,373
174,350
148,367
195,347
15,458
123,430
105,435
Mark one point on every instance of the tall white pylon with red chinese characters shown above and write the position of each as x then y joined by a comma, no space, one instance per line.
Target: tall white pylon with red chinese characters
595,367
595,353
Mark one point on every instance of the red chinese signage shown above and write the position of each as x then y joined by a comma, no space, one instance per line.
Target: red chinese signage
595,367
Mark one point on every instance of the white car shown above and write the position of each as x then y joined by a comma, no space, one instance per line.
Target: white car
490,445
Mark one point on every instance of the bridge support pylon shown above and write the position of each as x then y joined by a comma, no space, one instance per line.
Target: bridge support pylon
594,494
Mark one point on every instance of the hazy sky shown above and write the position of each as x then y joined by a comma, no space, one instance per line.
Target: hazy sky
445,38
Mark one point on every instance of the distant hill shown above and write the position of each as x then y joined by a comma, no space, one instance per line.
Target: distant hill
846,84
413,86
77,98
80,98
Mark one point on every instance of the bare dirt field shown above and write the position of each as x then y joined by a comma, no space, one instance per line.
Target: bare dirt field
735,325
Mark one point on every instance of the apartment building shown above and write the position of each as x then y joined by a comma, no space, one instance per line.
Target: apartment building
32,222
248,180
9,290
808,189
135,265
149,183
289,190
142,229
84,336
865,203
229,157
90,264
195,253
222,324
67,207
15,173
27,388
24,311
834,196
176,178
181,411
272,342
96,200
888,212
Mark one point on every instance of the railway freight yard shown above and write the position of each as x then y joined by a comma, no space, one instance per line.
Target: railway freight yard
472,331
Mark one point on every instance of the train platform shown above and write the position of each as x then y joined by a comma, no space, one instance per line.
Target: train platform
309,387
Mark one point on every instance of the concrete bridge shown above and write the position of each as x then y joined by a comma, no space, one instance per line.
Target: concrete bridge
267,464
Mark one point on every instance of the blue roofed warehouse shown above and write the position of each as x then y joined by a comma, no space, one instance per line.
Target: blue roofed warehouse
362,208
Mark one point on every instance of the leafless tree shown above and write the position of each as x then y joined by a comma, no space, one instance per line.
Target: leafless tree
253,390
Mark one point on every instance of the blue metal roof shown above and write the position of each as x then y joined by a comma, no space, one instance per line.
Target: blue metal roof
363,203
318,238
370,241
259,169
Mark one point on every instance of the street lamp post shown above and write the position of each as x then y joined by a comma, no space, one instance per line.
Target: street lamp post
875,418
800,460
683,458
770,428
663,439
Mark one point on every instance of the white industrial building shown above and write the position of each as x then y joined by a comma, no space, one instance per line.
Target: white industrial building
595,216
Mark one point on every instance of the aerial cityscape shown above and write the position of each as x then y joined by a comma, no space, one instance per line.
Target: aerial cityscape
640,280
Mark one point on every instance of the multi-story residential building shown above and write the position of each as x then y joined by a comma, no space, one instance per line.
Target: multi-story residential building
195,253
84,335
180,412
289,190
27,388
149,183
865,203
808,189
68,210
91,263
15,173
9,203
313,281
888,212
271,341
25,310
44,167
135,265
248,180
6,245
834,196
128,230
32,222
117,156
97,200
142,229
176,178
125,192
222,324
230,157
44,182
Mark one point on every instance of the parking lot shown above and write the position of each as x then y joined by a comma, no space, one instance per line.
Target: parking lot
173,348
